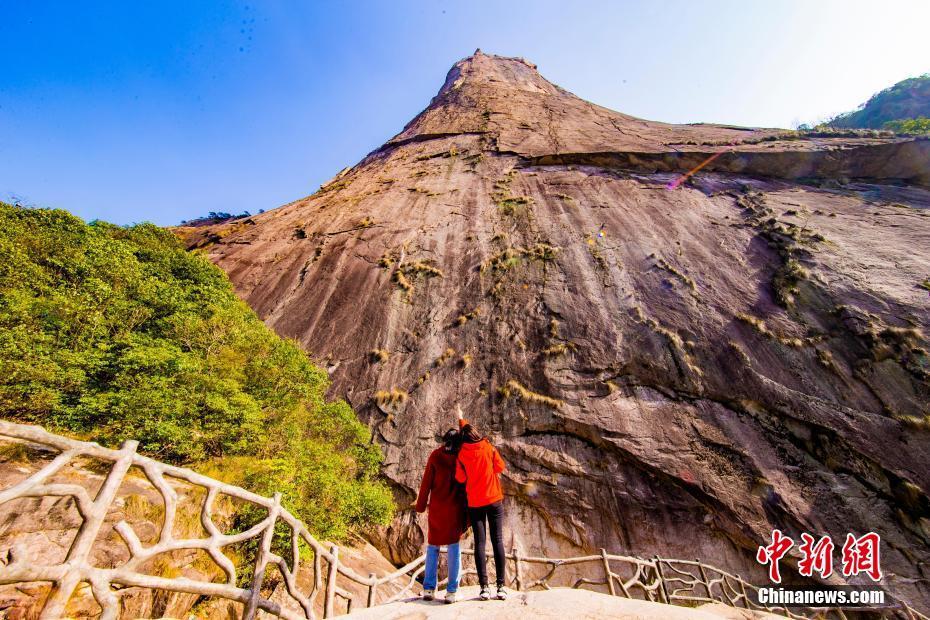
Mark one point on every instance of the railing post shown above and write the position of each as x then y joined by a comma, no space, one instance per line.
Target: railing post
658,562
317,572
742,587
517,571
607,573
329,606
372,590
87,534
261,560
704,578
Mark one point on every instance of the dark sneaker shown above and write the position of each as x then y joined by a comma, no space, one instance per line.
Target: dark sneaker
501,593
485,594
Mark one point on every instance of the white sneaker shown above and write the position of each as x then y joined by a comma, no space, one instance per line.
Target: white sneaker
452,597
501,593
485,594
429,595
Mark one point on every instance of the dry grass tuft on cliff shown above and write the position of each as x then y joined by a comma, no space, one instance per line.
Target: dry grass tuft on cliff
465,317
379,355
445,357
514,388
390,398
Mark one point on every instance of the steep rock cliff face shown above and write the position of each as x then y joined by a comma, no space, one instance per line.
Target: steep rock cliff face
668,367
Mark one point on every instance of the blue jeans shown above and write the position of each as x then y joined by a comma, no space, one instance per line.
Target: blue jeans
454,557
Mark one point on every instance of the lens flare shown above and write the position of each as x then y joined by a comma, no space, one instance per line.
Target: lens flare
674,184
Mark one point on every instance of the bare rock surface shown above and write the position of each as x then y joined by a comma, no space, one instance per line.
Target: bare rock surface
669,365
557,604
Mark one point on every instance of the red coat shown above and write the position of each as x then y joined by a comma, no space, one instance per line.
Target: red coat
479,467
445,498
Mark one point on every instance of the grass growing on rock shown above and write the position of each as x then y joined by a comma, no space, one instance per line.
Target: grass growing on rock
555,350
740,353
390,398
14,452
379,355
763,329
791,242
511,205
826,360
553,328
420,267
786,280
474,161
514,389
465,317
445,357
502,261
902,344
661,263
678,346
137,507
422,190
401,279
507,203
756,322
511,257
407,271
542,252
594,250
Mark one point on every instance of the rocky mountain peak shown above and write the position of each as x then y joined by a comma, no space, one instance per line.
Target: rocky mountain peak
477,97
512,106
496,72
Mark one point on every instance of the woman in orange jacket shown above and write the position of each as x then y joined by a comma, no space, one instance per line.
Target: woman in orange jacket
479,466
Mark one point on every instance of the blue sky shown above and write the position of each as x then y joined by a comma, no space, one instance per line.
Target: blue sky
162,111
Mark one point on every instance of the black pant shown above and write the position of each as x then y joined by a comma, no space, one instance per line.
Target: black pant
494,515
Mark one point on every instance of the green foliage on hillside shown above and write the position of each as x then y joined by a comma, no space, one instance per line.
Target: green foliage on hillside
111,333
919,125
908,99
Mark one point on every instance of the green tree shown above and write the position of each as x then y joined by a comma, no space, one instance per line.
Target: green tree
110,333
919,125
907,99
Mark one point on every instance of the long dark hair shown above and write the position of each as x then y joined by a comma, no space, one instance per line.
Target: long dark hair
470,434
452,441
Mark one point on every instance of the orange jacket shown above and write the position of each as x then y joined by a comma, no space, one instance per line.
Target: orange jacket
479,466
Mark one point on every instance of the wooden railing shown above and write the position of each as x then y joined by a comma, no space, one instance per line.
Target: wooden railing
679,582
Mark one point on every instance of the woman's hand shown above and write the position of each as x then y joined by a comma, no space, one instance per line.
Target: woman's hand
458,412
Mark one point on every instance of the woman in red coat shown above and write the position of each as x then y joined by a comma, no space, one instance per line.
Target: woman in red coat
445,500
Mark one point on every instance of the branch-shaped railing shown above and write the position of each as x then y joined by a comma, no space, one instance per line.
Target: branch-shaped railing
662,580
